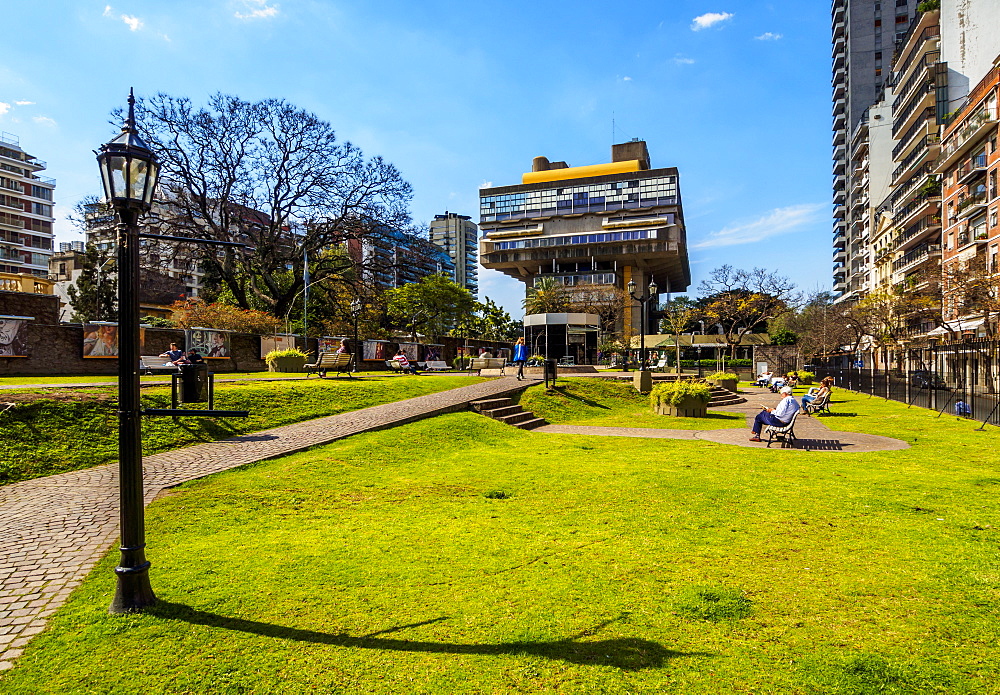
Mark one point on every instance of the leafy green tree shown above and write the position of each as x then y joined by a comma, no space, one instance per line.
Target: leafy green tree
432,306
496,324
677,314
94,294
546,296
784,337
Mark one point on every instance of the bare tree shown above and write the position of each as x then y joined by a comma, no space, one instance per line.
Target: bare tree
274,177
740,300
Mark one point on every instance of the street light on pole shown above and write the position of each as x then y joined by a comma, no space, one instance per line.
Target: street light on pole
643,299
129,171
356,307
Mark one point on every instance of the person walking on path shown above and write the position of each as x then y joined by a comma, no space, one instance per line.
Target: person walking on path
779,416
520,357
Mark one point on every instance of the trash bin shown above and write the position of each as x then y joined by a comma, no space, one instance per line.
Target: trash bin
549,372
194,383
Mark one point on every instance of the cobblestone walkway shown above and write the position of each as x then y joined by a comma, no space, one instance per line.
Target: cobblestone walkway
53,530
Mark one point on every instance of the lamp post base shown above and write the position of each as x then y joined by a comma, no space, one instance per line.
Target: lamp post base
643,381
133,592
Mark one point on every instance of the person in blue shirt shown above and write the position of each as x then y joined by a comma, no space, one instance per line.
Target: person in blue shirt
962,409
779,416
174,354
520,357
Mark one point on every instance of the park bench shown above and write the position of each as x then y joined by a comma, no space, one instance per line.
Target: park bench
660,366
784,433
396,366
151,364
820,405
567,361
436,365
339,363
480,363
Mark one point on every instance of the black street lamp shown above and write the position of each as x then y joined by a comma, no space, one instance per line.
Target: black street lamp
129,170
643,299
356,307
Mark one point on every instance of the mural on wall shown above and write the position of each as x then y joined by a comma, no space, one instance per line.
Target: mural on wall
329,343
209,343
433,352
14,336
281,341
375,350
100,339
412,351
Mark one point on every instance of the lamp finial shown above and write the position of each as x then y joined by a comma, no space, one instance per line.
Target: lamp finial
130,123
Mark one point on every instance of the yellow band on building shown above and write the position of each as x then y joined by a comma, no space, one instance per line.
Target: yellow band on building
580,172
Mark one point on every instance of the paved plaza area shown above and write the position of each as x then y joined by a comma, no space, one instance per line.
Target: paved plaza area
55,529
811,433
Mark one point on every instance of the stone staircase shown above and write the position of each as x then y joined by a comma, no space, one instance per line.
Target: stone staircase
721,396
507,411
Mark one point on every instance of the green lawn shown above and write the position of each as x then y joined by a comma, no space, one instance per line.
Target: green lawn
112,379
607,403
63,430
460,555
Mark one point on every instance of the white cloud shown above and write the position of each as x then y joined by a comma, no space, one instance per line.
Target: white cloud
709,19
24,103
4,107
257,9
768,36
626,79
45,120
778,221
486,184
132,22
684,61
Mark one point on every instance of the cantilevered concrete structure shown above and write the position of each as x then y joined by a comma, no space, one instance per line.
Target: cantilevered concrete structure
604,224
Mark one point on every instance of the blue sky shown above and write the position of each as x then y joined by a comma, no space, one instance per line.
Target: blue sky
457,95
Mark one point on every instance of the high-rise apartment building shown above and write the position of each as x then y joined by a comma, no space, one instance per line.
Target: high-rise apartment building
603,224
25,211
391,258
458,236
865,33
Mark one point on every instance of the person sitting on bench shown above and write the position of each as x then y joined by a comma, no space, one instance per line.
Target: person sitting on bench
779,416
174,355
404,363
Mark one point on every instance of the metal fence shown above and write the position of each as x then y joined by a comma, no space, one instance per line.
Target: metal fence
954,378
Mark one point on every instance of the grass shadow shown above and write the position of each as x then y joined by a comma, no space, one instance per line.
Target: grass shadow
627,654
826,415
587,401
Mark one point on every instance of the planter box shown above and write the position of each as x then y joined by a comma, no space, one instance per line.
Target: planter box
287,364
688,407
728,384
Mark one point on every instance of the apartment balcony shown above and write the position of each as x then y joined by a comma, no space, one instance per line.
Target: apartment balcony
969,238
839,121
12,186
840,152
11,222
838,29
918,231
839,210
925,124
972,129
971,169
839,45
839,106
922,76
839,167
971,206
915,108
915,209
910,259
925,151
839,256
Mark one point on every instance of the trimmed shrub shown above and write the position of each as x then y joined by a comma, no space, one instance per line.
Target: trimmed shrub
720,376
287,352
676,391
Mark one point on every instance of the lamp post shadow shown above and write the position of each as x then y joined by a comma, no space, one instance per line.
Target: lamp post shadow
625,653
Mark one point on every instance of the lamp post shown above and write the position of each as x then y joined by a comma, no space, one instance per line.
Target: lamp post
643,299
356,314
129,171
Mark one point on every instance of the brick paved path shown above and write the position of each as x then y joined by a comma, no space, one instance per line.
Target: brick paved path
53,530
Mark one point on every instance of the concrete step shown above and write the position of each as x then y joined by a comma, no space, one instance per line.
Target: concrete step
503,411
515,418
490,404
531,424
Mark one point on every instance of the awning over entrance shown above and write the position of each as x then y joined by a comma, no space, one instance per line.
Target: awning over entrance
952,327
